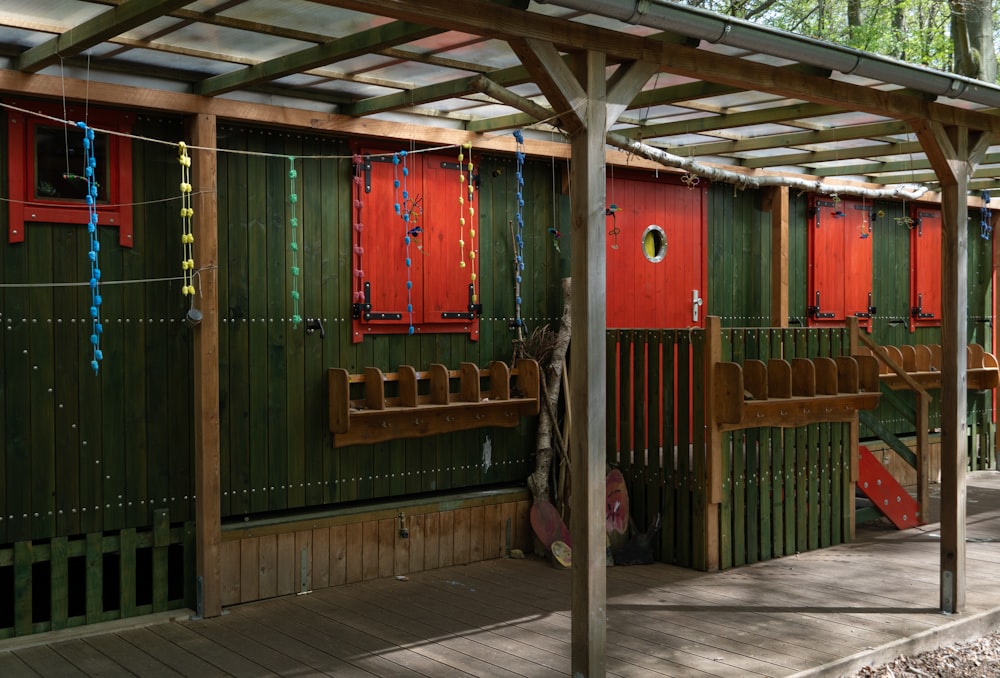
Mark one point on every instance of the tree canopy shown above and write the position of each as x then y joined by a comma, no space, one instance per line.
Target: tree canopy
949,36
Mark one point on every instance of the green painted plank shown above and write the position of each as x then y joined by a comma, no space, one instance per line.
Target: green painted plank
700,487
160,430
127,572
94,577
133,369
314,179
256,231
116,491
669,532
225,163
278,334
813,472
59,583
39,391
234,331
23,582
17,410
161,543
686,480
754,440
294,347
802,468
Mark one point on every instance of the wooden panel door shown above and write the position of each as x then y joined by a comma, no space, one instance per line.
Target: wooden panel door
656,259
925,267
840,262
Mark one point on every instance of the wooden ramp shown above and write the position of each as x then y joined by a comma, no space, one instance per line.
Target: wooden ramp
825,612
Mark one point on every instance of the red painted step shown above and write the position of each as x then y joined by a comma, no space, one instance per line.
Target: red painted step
885,491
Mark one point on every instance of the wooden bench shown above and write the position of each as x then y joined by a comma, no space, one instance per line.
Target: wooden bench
923,364
427,403
794,393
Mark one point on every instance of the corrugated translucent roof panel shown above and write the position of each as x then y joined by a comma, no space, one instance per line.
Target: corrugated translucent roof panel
305,16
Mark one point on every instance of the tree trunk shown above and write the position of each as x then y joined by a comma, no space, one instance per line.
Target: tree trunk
972,39
539,481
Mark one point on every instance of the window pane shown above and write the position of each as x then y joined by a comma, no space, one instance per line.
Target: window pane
60,164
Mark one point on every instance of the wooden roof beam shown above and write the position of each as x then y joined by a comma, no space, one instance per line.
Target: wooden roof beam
556,80
731,120
371,40
802,158
475,16
115,21
790,139
444,90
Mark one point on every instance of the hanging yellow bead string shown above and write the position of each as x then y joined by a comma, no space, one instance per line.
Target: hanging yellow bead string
467,194
187,212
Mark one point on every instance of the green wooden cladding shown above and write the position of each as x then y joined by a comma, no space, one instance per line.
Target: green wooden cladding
277,453
85,453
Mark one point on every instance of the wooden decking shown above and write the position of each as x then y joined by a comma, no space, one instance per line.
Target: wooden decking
820,613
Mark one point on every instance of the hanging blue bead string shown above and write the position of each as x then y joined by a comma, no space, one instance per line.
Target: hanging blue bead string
293,245
519,235
402,209
986,214
95,246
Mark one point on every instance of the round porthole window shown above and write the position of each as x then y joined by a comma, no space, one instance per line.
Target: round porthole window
654,243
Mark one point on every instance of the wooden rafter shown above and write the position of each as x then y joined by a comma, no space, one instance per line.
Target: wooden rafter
358,44
510,24
556,80
108,24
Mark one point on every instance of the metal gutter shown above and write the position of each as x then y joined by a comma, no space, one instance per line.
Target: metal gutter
720,29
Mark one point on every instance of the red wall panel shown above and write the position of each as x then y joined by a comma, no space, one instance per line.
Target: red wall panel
925,266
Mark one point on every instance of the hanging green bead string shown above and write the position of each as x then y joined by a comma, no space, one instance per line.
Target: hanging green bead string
293,246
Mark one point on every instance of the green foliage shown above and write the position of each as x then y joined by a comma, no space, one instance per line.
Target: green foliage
915,31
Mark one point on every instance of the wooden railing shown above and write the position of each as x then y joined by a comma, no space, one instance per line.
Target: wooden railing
65,582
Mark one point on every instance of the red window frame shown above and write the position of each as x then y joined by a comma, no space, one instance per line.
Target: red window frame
26,207
442,295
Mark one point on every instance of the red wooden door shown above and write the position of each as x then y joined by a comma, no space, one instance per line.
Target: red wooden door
925,267
656,258
840,261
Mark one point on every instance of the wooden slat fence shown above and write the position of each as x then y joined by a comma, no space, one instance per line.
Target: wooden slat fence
66,582
783,490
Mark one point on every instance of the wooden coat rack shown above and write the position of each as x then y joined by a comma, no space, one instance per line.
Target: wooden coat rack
425,403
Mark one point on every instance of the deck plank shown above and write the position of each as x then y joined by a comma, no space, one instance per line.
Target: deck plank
183,661
130,657
13,666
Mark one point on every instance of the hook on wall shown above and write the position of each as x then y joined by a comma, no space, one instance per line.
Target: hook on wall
313,324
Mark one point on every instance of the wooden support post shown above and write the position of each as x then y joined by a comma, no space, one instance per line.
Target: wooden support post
777,202
588,366
208,506
954,443
713,442
953,152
